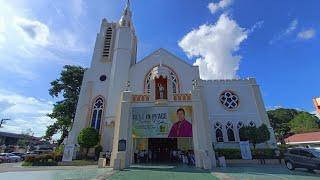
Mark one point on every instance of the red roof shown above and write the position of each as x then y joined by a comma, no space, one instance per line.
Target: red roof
312,136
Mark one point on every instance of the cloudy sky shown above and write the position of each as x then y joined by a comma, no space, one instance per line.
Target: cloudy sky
277,42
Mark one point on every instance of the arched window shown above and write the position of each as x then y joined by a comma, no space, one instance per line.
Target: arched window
230,132
148,83
219,134
97,112
173,80
239,125
252,124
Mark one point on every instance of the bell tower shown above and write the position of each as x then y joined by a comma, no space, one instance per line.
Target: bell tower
124,56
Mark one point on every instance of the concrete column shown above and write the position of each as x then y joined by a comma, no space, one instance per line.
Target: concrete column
122,131
202,141
224,133
262,111
236,133
80,120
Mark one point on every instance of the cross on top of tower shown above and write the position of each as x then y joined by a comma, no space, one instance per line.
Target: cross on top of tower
128,4
126,16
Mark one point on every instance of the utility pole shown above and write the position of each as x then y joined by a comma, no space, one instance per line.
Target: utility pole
3,121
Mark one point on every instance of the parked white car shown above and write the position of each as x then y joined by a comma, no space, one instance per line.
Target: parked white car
8,157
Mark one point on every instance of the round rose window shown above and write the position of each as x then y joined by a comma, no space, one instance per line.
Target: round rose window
229,100
103,77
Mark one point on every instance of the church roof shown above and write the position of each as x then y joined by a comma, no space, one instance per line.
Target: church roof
164,51
303,138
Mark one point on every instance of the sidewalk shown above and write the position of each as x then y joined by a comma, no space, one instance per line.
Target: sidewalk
267,172
162,172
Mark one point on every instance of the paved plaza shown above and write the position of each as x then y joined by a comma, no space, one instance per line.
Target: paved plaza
14,171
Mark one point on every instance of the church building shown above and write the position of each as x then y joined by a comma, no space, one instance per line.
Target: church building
159,103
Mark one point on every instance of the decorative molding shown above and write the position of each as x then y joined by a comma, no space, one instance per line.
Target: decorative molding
141,98
182,97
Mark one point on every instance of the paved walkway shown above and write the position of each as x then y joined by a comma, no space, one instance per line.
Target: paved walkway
263,172
162,172
12,171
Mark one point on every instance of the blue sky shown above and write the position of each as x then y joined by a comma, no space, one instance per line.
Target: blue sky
277,42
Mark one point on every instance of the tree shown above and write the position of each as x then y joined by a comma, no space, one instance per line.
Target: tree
304,122
26,140
88,138
66,88
254,135
279,121
263,134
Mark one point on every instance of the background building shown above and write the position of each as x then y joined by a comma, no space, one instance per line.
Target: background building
316,102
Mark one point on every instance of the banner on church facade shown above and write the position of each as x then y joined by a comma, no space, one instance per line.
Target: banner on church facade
162,122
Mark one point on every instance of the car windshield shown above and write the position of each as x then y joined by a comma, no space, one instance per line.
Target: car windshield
315,152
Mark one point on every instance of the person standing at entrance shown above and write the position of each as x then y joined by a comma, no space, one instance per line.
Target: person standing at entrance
182,128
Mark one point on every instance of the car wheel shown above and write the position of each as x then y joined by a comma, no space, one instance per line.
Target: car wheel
289,165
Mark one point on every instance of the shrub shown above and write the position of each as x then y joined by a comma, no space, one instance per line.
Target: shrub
59,149
43,160
229,153
97,150
26,163
254,135
30,159
236,153
88,138
268,153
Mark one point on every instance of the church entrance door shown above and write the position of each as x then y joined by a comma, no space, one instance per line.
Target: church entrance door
161,149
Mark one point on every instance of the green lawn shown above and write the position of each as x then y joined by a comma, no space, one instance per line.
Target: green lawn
162,173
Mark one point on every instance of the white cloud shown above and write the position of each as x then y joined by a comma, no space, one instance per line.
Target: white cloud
2,31
257,25
293,26
284,33
307,34
78,8
25,113
34,31
214,7
66,40
27,43
215,46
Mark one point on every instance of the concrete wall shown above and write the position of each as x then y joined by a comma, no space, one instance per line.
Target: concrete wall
251,106
185,72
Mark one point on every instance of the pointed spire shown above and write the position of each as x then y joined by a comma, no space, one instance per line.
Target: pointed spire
126,16
128,4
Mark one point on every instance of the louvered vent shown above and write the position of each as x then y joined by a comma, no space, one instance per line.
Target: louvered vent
107,43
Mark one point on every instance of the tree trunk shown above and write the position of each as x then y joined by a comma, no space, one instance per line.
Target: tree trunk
63,135
87,153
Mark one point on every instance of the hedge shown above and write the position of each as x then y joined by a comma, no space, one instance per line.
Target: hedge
43,160
236,153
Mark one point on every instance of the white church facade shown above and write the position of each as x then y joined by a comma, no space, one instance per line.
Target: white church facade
159,101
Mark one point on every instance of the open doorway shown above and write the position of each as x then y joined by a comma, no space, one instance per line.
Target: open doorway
161,149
